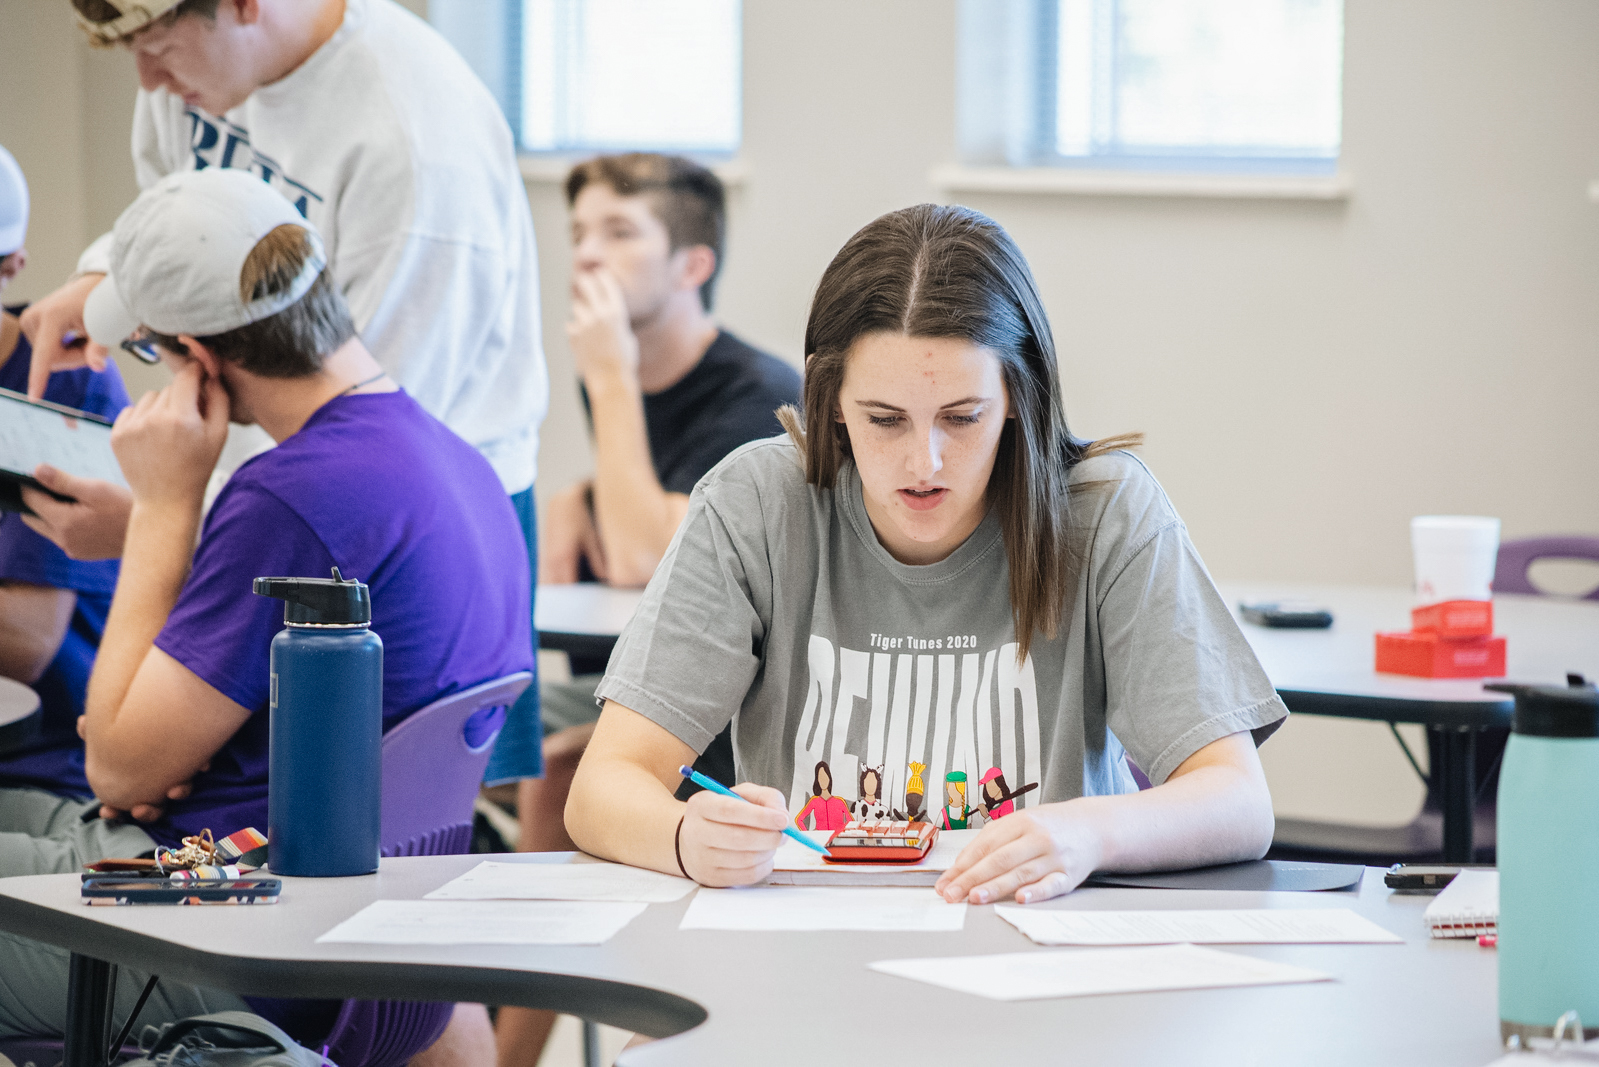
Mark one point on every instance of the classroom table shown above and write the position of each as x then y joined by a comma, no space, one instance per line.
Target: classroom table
19,714
802,998
582,619
1332,672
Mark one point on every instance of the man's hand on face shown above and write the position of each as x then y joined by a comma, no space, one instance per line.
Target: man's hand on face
47,321
599,330
170,440
91,526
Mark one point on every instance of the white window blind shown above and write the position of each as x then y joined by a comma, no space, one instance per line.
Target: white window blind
1244,79
1248,86
607,75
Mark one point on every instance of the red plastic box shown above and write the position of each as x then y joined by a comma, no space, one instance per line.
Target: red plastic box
1428,655
1455,618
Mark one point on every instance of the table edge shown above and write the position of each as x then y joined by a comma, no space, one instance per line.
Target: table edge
625,1005
1475,714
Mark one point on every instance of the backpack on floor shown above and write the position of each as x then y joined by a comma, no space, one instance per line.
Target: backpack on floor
222,1039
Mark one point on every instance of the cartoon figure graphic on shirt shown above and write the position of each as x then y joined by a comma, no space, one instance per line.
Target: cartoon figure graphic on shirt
870,809
995,799
947,711
826,811
914,792
956,814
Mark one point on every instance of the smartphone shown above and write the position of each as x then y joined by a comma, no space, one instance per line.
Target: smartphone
1433,876
123,890
1287,615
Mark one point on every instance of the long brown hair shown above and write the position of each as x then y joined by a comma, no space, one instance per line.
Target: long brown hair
936,271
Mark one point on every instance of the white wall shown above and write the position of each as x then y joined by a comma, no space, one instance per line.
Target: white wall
1309,375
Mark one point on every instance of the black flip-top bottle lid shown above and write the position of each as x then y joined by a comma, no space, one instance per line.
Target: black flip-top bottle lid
1554,711
319,601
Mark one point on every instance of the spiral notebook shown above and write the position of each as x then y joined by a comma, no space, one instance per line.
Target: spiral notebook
1467,907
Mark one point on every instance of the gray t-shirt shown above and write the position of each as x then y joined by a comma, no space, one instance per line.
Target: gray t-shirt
777,607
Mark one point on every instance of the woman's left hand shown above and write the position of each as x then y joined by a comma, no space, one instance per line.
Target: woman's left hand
1031,855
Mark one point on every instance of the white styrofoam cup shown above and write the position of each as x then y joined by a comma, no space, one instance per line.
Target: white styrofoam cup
1455,557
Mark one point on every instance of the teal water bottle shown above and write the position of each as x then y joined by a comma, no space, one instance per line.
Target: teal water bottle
1548,858
324,779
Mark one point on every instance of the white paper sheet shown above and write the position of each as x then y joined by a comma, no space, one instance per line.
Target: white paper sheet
1095,971
492,880
814,908
484,922
793,856
1259,926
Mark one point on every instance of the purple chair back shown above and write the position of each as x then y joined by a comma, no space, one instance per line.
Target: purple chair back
433,764
1515,557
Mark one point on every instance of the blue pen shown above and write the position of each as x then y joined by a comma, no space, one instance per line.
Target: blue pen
717,787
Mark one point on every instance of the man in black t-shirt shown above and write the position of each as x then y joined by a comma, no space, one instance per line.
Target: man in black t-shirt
669,394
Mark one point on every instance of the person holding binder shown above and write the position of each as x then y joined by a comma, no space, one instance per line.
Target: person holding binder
930,570
52,608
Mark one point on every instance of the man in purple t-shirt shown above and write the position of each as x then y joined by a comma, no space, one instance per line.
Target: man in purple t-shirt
225,281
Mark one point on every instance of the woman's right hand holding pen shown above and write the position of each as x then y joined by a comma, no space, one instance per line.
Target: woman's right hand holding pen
726,842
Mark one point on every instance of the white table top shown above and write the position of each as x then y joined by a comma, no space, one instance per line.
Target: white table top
804,999
1545,638
584,608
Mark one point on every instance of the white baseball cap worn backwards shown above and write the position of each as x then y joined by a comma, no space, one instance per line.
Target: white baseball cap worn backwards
133,16
178,252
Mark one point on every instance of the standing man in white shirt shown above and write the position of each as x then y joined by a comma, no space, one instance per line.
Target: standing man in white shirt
377,131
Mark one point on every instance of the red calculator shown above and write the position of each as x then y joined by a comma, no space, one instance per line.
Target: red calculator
881,842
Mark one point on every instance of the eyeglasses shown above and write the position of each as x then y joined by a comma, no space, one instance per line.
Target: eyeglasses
143,347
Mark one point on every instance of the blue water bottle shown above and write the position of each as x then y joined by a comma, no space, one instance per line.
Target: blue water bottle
324,795
1548,858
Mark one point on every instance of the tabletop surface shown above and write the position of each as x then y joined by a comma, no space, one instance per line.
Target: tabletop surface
1545,638
584,608
790,998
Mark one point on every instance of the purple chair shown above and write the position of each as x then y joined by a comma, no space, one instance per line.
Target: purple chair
433,763
1517,557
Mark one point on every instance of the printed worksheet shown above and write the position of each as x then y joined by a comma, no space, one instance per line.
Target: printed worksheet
493,880
1095,971
1256,926
484,922
818,908
31,435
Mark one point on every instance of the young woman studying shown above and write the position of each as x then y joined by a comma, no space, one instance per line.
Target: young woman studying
931,576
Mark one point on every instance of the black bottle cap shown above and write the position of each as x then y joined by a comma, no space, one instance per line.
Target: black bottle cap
1554,711
319,601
